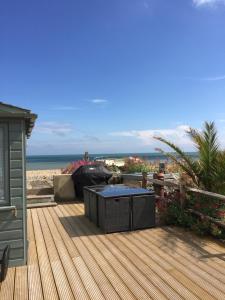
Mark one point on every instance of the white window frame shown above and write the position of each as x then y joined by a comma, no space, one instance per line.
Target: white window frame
6,201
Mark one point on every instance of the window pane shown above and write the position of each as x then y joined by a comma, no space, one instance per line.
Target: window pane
1,165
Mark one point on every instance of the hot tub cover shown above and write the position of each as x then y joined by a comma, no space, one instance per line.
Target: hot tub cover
89,175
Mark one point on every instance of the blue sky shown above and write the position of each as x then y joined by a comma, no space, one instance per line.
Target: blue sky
106,76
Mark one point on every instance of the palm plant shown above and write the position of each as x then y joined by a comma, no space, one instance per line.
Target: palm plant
208,172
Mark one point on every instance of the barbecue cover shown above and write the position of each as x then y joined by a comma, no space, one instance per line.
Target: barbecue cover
89,175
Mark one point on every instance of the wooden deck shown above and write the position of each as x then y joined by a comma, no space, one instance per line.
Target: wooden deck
69,258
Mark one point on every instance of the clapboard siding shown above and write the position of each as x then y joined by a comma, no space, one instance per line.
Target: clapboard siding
14,224
16,182
16,192
15,137
11,222
17,145
15,154
10,215
17,202
15,244
16,126
15,253
16,173
14,234
16,164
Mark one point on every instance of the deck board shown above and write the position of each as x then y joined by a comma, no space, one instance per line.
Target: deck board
35,285
164,281
70,258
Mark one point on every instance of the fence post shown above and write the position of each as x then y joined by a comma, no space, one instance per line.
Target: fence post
182,196
160,176
159,190
144,179
86,156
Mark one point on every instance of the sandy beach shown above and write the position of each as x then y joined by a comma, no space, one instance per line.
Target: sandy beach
41,177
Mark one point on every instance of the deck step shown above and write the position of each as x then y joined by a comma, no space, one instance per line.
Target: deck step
37,205
32,199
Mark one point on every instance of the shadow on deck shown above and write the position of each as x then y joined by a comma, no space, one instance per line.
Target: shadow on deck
70,258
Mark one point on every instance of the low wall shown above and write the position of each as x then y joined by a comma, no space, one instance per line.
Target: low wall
63,188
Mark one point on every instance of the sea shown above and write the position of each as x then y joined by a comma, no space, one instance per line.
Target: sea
47,162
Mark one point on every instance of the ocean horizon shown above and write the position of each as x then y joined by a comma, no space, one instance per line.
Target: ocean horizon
46,162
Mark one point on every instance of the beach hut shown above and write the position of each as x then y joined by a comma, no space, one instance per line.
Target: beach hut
15,127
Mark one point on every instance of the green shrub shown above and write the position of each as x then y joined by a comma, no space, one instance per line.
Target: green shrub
171,213
216,231
175,215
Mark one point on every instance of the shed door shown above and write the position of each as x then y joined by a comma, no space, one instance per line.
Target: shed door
3,165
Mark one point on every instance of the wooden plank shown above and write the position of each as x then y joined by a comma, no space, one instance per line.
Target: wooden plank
17,201
62,284
16,182
115,276
34,279
73,271
13,224
14,244
10,215
163,280
15,154
7,286
191,245
139,276
15,126
206,193
15,136
179,266
164,183
16,192
191,285
189,189
16,145
157,263
15,173
47,279
104,284
15,164
156,279
21,287
161,260
11,234
192,256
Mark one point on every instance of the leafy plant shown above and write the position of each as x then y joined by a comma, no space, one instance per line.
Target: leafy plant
201,227
208,172
216,231
137,165
173,214
73,166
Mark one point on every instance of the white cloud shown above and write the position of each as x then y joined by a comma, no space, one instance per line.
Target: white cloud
213,78
178,135
216,78
64,107
207,2
56,128
146,4
99,101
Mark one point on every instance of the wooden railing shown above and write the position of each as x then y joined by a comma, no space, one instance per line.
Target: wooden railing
183,190
189,189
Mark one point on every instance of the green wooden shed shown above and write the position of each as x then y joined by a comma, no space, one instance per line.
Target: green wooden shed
15,127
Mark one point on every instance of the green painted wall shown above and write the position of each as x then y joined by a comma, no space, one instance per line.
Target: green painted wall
13,227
